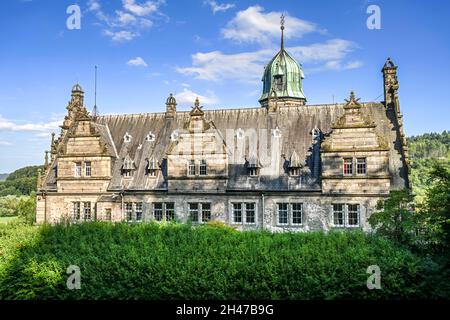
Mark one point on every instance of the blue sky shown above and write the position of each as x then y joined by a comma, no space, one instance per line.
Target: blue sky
212,49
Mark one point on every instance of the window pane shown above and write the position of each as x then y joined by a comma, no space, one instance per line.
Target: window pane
361,166
170,211
193,211
353,214
138,211
348,166
76,210
129,211
108,214
297,213
158,211
87,211
282,213
338,214
191,171
203,168
88,169
250,213
78,169
237,212
206,212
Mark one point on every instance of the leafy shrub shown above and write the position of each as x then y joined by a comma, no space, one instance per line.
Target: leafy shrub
174,261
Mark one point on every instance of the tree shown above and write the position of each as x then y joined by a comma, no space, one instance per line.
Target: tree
435,211
394,217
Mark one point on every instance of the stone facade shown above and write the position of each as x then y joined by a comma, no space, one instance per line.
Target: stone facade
282,167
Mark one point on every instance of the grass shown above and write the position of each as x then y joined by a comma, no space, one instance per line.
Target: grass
7,219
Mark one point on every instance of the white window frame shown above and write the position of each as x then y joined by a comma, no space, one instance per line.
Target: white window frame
76,210
352,167
88,169
365,166
346,215
78,166
244,209
128,211
203,168
165,211
87,211
342,211
290,214
108,214
139,209
191,165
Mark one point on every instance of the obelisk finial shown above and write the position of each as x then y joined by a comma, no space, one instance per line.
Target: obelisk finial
282,30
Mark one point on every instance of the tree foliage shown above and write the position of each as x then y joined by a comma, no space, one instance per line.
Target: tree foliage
20,182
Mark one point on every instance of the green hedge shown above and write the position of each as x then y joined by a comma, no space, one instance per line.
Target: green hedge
172,261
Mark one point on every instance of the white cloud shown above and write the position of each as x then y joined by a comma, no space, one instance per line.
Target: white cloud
188,97
125,24
137,62
121,36
254,26
8,125
249,66
5,143
218,7
143,9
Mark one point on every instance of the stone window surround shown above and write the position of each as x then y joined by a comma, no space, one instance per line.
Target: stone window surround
196,165
242,202
346,217
79,209
290,216
199,211
354,166
164,210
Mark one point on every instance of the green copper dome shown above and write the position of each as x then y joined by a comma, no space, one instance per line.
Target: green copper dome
283,75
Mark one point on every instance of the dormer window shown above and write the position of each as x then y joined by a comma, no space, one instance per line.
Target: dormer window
128,167
127,137
239,133
294,164
174,135
152,167
276,133
253,166
150,137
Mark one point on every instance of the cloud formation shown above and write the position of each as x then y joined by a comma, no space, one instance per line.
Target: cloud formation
188,97
127,22
252,25
8,125
249,66
218,7
137,62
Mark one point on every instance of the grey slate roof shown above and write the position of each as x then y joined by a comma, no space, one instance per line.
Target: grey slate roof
294,123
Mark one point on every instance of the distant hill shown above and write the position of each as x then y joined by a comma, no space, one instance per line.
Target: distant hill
423,151
3,176
21,182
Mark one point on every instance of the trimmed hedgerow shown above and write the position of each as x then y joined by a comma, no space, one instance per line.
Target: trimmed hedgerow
174,261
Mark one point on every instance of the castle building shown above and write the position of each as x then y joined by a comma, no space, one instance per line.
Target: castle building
285,166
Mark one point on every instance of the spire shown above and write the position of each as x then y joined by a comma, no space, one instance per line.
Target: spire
282,31
95,109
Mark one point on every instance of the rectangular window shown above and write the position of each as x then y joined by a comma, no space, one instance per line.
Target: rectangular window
193,211
158,211
87,211
297,209
77,169
191,169
152,172
108,216
253,172
237,212
348,166
87,168
294,172
76,211
338,215
170,211
138,210
361,166
203,168
250,213
129,211
127,173
353,214
206,212
283,213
